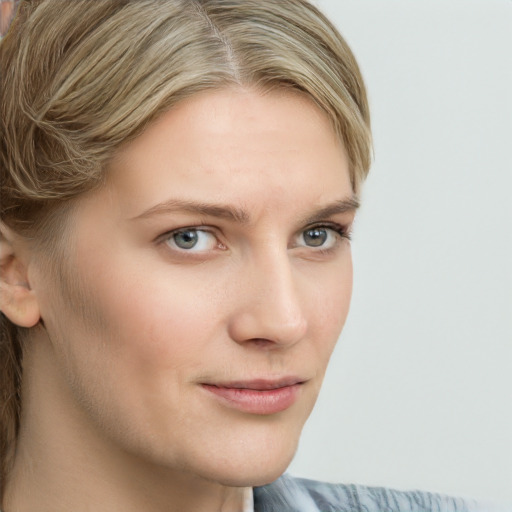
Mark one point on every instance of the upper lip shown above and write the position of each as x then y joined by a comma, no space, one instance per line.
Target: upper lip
258,384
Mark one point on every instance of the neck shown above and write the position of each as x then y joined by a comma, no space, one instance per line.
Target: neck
64,463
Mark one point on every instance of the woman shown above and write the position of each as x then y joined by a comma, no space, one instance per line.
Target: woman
179,181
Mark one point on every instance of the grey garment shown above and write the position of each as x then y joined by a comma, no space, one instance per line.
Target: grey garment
288,494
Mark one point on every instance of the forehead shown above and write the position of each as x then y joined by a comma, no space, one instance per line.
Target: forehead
230,144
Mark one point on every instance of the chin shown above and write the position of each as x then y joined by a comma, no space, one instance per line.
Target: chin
253,470
250,476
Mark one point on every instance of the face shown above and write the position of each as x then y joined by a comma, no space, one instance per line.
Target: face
208,282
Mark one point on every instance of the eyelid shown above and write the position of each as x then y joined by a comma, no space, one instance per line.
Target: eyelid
196,227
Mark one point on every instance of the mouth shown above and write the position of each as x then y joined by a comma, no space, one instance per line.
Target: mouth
259,396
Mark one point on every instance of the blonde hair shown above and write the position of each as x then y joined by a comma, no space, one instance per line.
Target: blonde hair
78,79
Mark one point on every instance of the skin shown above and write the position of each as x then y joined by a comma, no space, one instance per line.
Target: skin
115,414
6,10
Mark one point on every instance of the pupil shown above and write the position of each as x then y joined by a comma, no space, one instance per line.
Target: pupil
186,239
315,237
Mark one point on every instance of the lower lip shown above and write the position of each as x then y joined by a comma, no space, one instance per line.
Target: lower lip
253,401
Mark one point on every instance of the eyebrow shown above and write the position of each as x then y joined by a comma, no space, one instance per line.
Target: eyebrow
239,215
228,212
336,208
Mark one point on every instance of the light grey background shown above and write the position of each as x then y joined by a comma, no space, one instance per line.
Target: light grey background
419,392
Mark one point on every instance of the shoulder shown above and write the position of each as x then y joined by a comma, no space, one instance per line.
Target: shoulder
288,494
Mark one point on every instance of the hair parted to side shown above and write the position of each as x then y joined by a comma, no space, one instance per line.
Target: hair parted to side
79,78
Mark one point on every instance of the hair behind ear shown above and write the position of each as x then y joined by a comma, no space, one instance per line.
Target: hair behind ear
10,393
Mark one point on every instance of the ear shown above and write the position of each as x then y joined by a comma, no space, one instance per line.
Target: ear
18,302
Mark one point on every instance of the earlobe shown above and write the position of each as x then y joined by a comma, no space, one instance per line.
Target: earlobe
18,301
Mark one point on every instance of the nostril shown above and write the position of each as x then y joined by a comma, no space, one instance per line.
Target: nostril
261,342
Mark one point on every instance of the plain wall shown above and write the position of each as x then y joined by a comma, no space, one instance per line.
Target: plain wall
418,394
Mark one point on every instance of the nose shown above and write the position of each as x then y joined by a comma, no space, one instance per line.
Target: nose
269,311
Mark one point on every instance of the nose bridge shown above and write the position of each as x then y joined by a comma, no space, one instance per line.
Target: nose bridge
271,308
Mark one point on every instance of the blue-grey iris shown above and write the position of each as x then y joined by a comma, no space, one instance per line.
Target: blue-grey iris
315,237
186,239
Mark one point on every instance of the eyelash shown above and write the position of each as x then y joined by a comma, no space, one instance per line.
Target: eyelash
343,232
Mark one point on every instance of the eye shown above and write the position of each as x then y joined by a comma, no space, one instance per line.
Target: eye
323,237
192,239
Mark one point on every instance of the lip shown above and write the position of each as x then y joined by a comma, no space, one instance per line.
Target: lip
259,396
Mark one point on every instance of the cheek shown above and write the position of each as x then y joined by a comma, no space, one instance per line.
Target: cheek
331,289
330,303
143,337
153,319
